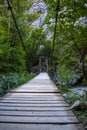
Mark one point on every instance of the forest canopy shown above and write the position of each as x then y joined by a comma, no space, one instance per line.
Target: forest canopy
70,49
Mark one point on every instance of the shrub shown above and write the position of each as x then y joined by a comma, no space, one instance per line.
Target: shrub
12,80
67,76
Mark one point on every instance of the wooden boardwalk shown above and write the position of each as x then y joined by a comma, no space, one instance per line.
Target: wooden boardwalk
36,105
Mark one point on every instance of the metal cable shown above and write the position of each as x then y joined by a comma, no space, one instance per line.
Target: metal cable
10,8
56,18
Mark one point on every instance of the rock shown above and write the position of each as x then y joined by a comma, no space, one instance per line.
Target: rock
85,4
81,93
38,7
76,0
52,21
47,32
78,91
82,21
64,95
78,105
45,28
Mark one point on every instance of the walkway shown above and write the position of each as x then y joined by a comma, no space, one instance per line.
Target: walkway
36,105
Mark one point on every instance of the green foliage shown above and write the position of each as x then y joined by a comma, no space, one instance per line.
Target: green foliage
67,76
80,113
82,116
72,97
12,55
32,17
12,80
63,89
71,39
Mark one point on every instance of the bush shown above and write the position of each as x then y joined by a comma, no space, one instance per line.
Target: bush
67,76
12,80
63,89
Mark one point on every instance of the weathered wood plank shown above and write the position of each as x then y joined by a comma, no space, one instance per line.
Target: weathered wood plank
40,87
44,120
38,102
34,94
34,108
37,113
36,88
35,98
40,127
6,126
38,91
37,105
31,95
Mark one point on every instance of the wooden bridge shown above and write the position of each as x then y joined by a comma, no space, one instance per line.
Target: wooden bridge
37,105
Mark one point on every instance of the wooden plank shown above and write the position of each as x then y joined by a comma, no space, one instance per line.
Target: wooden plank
43,120
29,94
34,108
5,126
37,113
40,87
33,102
35,98
33,94
40,105
32,91
41,81
36,105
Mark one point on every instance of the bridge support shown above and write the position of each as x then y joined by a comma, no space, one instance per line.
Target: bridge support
43,64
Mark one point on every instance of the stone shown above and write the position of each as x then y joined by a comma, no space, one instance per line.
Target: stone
78,105
64,95
79,91
82,21
38,7
85,4
52,21
47,32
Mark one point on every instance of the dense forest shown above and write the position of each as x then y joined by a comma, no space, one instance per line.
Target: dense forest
21,44
66,47
56,29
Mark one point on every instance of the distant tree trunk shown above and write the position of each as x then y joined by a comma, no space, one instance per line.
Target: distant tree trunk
83,67
28,65
83,55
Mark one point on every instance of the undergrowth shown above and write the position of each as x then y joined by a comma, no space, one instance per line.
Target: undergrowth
12,80
71,97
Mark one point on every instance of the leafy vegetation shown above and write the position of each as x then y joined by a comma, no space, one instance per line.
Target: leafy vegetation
12,80
12,55
69,58
82,112
70,51
70,55
71,97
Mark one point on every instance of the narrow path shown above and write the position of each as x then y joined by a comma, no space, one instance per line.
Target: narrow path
37,105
